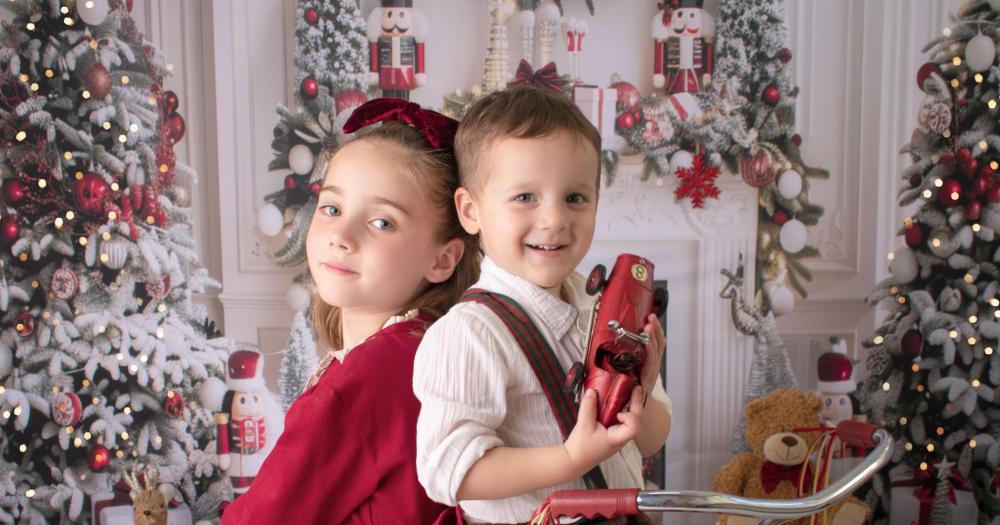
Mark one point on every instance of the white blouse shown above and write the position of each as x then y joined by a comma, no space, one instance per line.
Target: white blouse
478,391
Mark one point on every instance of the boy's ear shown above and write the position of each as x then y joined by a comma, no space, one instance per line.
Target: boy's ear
446,261
468,213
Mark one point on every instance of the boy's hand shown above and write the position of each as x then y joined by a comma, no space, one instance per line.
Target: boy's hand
590,442
654,354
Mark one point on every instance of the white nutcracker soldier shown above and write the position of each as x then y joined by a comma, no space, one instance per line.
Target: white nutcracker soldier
242,435
683,35
396,36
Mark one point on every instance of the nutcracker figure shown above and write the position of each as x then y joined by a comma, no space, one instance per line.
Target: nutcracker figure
395,33
241,431
683,38
834,370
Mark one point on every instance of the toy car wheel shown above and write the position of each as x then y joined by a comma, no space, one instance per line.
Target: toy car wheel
660,299
596,281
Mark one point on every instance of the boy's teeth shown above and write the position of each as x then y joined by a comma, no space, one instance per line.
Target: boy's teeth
545,247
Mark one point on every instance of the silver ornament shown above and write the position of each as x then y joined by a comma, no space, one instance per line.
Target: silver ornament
114,253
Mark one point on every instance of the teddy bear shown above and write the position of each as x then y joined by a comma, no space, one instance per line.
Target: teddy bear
773,468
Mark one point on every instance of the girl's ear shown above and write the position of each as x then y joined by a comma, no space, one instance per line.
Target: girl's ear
468,214
446,261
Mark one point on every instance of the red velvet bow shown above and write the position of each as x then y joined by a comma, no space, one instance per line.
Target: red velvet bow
438,129
545,78
771,474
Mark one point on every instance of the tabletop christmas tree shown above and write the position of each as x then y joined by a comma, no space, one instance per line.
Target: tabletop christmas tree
101,346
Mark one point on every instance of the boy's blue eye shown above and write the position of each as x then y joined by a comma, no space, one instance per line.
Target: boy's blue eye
524,197
576,198
381,224
329,210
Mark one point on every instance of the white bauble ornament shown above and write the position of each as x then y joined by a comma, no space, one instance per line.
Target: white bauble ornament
792,236
92,12
211,392
6,360
781,299
114,253
297,297
980,52
269,220
681,159
790,184
903,266
300,159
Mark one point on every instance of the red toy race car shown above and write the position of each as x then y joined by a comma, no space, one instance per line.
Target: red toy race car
616,350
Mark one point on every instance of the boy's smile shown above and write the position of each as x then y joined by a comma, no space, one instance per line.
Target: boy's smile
536,206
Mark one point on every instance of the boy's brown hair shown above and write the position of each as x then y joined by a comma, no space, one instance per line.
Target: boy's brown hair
522,113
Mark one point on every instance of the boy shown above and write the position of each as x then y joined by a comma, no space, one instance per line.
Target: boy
486,435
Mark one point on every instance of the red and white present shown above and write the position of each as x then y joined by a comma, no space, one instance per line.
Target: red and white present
598,105
114,508
912,499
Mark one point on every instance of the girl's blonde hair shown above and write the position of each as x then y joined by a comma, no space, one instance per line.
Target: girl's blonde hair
436,172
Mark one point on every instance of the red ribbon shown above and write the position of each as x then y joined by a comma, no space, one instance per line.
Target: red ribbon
925,482
771,474
545,78
438,129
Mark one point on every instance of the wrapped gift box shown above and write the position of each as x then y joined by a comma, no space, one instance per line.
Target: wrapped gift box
105,510
598,105
906,507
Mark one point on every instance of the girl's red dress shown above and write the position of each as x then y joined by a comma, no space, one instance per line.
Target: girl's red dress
347,454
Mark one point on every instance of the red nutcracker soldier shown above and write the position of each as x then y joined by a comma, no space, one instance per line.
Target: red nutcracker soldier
395,33
241,431
683,34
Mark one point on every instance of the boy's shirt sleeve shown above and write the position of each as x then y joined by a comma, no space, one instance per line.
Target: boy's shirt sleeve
460,378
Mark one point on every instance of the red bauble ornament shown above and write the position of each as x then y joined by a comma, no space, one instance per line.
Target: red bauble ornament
994,194
628,94
785,55
97,80
973,210
980,186
758,170
91,194
312,17
13,191
924,72
348,100
626,121
780,217
950,192
912,344
10,231
965,153
969,167
128,4
170,103
98,458
914,235
159,289
315,187
24,324
290,183
797,140
914,180
947,159
174,405
771,96
64,283
309,88
65,408
175,127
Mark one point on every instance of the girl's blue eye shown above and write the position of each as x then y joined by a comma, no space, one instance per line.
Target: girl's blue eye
329,210
576,198
524,197
381,224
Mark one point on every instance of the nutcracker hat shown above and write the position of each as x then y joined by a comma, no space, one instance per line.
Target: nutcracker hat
397,3
245,371
689,4
834,370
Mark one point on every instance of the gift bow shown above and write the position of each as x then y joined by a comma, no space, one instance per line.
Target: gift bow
925,482
771,474
438,129
545,77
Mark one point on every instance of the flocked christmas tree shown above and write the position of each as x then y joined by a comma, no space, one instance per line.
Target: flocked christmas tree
933,361
101,346
330,44
298,362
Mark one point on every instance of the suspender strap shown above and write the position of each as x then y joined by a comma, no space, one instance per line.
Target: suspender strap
543,362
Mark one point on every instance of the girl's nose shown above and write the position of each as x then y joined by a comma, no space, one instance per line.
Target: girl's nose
341,238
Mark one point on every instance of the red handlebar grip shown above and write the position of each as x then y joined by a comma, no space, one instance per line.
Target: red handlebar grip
857,433
591,504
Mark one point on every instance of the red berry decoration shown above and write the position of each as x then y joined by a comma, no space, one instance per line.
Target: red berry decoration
914,180
13,191
771,96
290,183
912,344
348,100
973,210
98,458
170,103
797,140
914,235
947,159
175,128
925,71
994,194
91,194
969,167
950,192
981,185
97,80
309,88
174,405
965,153
312,17
315,187
780,217
10,231
785,55
24,324
626,121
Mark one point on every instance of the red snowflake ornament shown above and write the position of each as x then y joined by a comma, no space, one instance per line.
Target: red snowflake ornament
697,182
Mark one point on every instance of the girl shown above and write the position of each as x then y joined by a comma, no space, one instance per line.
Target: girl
388,256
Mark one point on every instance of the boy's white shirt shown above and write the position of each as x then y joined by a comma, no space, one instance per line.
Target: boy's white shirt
478,391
